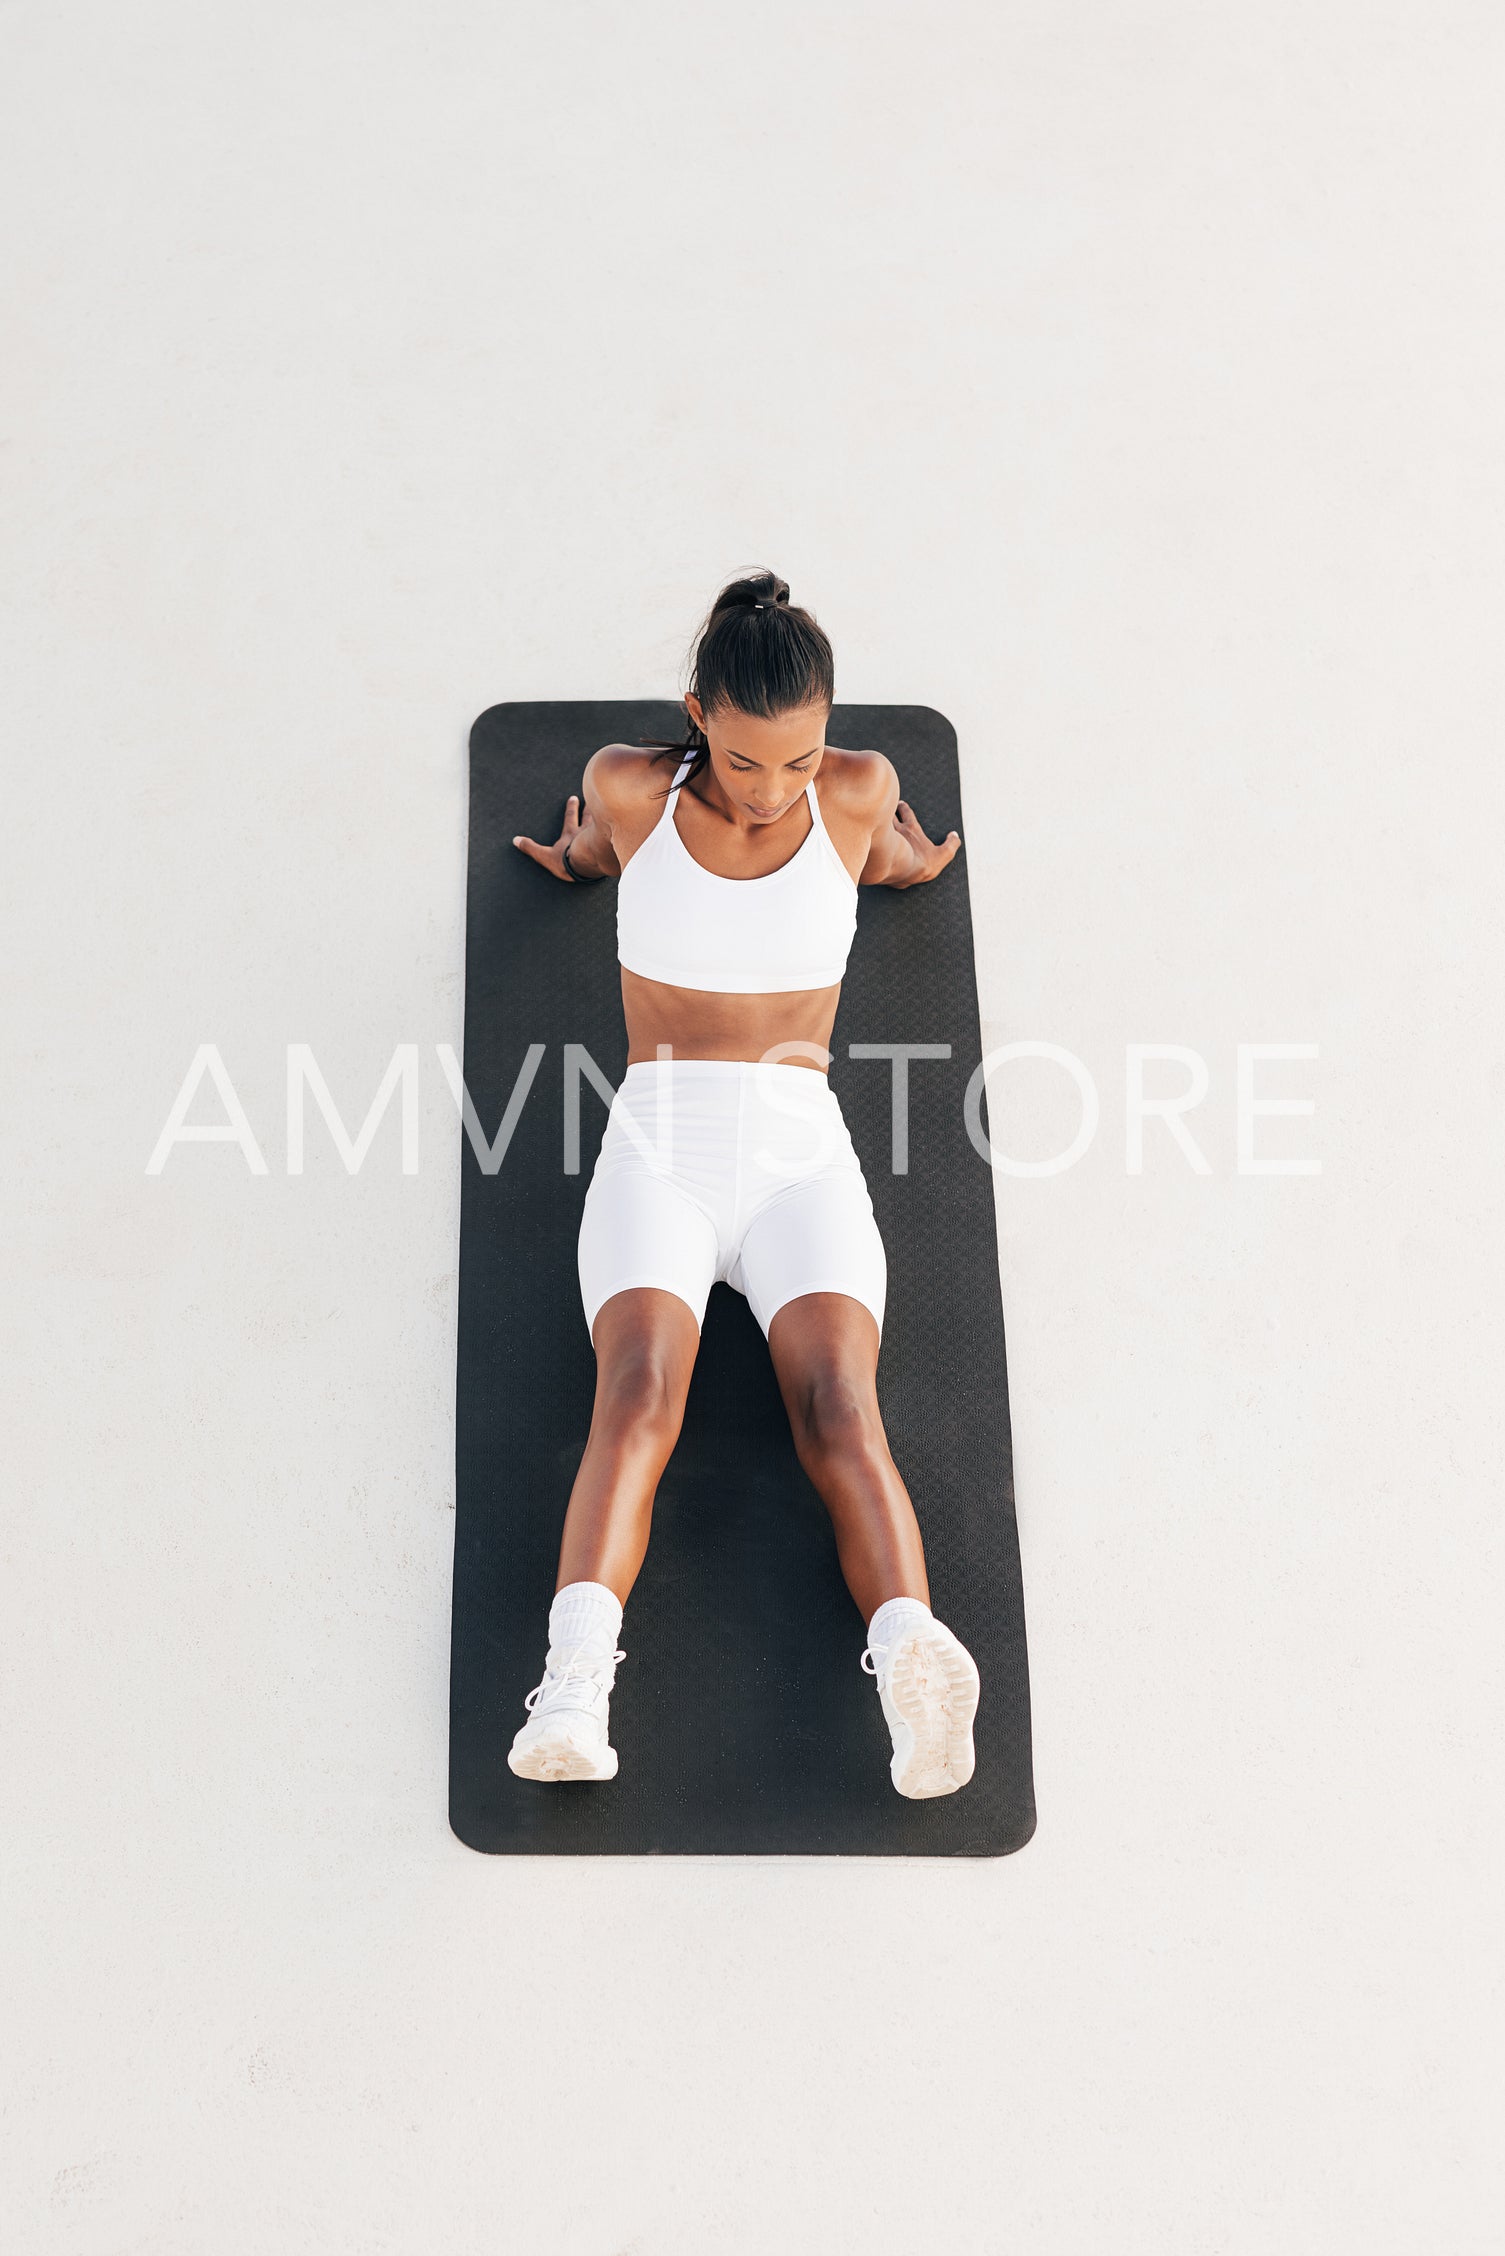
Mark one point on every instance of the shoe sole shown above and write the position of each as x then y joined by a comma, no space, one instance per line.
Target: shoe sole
554,1759
934,1687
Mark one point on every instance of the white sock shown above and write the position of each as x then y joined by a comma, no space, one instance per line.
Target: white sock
894,1619
585,1616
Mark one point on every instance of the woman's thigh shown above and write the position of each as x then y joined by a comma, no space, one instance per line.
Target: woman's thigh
820,1237
638,1229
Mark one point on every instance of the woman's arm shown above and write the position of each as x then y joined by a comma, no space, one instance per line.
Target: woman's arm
900,853
588,837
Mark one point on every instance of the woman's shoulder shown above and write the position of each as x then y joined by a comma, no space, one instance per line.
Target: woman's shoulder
627,775
856,783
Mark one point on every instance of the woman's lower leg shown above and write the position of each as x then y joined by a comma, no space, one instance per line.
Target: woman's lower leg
872,1516
645,1352
825,1351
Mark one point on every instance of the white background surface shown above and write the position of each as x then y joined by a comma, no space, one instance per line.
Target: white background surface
1120,380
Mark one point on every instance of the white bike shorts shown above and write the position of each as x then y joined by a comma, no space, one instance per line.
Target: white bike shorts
742,1170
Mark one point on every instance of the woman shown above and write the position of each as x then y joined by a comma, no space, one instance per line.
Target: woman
726,1155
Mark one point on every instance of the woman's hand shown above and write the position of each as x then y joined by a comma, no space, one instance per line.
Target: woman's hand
552,857
929,860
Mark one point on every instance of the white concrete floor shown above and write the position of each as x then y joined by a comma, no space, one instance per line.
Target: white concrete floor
1121,380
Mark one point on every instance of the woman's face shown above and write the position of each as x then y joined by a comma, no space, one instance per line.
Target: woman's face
763,766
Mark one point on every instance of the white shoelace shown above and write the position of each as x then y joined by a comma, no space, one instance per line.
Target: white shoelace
875,1658
875,1661
582,1669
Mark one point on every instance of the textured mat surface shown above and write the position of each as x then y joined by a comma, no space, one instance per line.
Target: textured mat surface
742,1719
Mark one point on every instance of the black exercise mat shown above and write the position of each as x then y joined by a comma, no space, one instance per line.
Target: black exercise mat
743,1722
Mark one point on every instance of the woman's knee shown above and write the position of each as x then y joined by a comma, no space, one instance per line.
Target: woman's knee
834,1413
642,1381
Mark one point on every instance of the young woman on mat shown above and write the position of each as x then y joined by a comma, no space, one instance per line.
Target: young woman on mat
726,1155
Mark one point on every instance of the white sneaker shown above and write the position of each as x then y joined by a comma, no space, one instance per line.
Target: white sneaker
928,1684
566,1734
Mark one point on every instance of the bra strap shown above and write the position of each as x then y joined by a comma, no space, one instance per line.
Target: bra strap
672,797
819,821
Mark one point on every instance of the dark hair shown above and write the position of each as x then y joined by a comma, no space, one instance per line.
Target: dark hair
756,652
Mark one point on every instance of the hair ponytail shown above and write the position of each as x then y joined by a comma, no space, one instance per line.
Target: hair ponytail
756,652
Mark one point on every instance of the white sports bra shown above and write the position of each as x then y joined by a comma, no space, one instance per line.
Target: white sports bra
789,930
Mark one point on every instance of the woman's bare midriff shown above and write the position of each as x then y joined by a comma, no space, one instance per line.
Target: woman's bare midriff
699,1024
